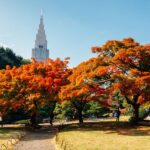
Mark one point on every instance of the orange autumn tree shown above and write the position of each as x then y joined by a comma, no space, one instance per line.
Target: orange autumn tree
81,89
33,85
131,76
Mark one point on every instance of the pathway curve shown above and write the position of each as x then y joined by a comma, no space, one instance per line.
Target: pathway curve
40,139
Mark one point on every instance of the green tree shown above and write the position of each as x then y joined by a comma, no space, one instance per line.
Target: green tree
8,57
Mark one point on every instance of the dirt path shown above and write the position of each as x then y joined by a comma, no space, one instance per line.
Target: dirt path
40,139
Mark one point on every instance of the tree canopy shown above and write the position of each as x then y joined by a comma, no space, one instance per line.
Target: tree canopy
32,85
129,64
121,70
120,67
8,57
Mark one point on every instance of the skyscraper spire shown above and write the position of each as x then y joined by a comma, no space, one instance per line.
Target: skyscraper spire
41,36
40,51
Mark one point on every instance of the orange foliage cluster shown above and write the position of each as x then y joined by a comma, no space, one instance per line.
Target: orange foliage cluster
125,64
38,82
122,66
129,66
80,87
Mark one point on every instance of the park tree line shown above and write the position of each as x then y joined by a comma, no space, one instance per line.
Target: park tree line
8,57
120,71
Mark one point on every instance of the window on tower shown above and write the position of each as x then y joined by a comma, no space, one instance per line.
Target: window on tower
40,46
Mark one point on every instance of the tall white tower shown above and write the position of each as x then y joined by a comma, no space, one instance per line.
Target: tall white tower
40,51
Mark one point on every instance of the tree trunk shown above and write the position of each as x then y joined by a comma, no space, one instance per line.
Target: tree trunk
79,106
51,113
80,115
135,116
34,115
33,118
51,116
135,108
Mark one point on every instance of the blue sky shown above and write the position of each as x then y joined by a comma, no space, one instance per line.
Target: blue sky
72,26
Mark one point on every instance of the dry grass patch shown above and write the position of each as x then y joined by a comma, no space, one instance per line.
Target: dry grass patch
106,135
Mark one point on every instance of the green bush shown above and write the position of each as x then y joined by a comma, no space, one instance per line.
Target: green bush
142,113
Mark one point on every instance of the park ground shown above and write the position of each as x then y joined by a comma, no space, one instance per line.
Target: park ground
10,135
103,134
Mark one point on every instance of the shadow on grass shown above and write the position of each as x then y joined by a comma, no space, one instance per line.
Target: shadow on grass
109,127
45,132
32,134
6,132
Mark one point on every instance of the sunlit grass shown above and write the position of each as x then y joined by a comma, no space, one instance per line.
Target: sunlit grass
105,135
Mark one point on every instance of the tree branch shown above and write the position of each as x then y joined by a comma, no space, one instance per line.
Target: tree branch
128,100
135,98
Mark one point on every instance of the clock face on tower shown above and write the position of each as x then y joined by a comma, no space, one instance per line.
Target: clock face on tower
40,51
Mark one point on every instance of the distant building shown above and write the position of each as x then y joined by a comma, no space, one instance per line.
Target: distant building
40,51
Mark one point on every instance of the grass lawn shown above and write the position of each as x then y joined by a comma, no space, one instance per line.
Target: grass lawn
104,135
8,133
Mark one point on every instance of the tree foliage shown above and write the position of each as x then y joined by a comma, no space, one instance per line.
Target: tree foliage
32,85
120,68
8,57
129,64
79,91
